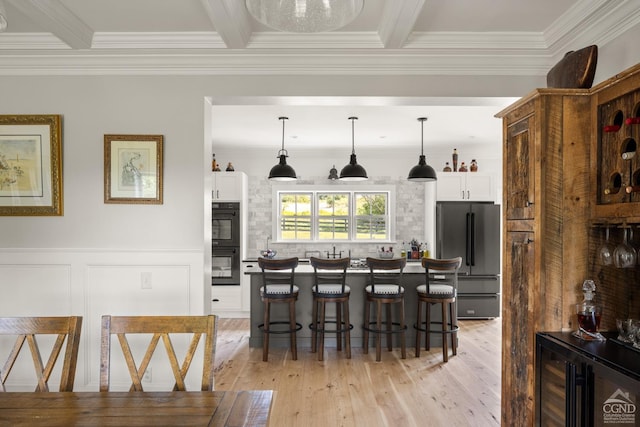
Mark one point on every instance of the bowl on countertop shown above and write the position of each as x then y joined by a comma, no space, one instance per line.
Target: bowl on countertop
268,253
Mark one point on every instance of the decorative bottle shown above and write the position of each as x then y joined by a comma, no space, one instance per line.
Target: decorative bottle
463,167
454,157
214,164
589,314
230,167
447,168
474,166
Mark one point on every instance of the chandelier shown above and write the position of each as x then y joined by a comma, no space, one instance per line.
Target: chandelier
305,16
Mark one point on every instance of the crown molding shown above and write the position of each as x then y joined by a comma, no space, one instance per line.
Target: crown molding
346,53
592,22
290,62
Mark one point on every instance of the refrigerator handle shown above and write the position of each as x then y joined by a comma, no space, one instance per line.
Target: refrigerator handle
472,239
468,242
439,239
570,397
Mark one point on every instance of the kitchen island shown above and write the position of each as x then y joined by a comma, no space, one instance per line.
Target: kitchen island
357,279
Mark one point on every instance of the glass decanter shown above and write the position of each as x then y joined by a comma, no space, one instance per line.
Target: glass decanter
589,314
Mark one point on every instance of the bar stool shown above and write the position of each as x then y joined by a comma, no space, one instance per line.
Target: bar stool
330,277
385,287
442,292
279,288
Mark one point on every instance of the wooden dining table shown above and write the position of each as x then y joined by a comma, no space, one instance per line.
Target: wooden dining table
180,408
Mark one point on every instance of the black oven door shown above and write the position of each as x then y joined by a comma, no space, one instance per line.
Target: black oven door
225,266
225,225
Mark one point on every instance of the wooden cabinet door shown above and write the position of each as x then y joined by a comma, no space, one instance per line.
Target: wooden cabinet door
519,169
518,328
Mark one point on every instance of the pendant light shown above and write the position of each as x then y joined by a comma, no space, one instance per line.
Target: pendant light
282,171
422,171
353,171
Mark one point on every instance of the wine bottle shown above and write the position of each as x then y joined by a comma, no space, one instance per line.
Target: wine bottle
454,157
632,189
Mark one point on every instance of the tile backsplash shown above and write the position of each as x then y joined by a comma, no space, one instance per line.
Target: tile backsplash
410,211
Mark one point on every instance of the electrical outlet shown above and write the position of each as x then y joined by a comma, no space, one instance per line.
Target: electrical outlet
146,377
145,280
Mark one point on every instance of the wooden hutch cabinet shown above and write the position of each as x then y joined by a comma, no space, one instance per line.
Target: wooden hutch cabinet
546,227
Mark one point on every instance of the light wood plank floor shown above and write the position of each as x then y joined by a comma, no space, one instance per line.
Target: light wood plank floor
360,392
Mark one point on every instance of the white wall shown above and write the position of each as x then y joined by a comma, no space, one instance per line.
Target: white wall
130,239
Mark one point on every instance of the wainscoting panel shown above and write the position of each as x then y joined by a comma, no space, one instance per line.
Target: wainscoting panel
91,283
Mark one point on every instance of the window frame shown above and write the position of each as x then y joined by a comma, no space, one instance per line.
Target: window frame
390,190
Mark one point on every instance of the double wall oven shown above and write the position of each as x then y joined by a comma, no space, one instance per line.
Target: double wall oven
225,241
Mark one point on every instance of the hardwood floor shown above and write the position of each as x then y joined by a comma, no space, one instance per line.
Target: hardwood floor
360,392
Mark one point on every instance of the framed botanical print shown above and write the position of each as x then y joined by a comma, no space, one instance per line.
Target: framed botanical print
133,169
31,165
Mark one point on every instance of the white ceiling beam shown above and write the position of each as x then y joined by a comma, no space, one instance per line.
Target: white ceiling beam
55,18
231,21
398,19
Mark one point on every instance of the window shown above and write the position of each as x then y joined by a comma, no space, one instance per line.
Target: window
322,215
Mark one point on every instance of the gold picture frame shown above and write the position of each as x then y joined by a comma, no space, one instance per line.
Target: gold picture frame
133,169
31,165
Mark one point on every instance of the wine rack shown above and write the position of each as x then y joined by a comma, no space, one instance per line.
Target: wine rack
616,152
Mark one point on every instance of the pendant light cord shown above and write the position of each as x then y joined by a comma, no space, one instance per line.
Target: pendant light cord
353,138
422,137
283,150
422,120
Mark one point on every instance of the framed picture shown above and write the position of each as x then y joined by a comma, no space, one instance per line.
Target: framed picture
31,165
133,169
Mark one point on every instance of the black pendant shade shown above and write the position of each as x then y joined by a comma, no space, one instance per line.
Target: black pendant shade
422,171
353,171
282,171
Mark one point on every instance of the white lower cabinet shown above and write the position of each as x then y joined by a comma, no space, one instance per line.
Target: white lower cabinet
226,298
233,301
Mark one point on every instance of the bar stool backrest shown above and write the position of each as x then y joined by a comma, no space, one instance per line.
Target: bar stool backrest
274,271
386,272
442,266
330,272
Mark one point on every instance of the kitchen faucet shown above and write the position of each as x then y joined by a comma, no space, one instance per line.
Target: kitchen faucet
333,255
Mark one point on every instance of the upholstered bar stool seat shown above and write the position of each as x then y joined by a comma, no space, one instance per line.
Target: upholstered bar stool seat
435,292
278,287
330,276
385,289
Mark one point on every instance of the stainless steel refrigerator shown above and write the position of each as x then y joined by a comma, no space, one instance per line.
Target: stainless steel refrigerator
471,230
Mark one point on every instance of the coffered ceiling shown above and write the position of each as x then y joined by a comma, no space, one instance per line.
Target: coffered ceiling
390,37
219,36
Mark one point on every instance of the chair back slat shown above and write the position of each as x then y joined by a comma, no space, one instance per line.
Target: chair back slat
386,271
27,329
160,327
449,266
329,271
274,272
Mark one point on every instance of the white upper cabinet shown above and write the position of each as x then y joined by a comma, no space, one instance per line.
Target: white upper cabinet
228,186
457,186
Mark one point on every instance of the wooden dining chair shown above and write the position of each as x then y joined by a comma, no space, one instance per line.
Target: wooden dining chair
26,329
159,327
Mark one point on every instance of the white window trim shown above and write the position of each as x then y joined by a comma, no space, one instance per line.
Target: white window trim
275,189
